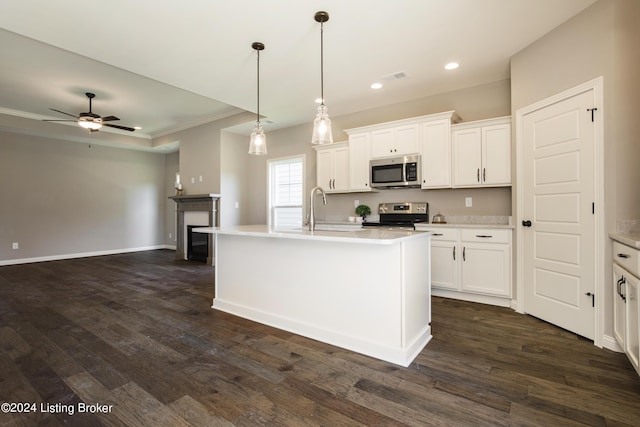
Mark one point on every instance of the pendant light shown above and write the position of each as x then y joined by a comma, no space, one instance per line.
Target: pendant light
322,123
258,143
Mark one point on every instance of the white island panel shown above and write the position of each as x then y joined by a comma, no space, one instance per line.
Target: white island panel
358,293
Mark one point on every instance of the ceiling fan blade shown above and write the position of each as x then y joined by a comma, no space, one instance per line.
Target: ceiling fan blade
109,118
119,127
62,112
59,121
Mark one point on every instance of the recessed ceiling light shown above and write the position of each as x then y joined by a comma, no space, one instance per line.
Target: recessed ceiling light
451,66
376,85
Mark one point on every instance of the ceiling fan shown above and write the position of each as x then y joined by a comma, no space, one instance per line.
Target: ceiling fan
91,120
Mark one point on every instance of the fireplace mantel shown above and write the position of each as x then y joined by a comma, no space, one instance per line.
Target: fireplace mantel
195,203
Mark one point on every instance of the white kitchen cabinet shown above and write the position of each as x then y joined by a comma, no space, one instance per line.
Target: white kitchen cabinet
445,251
332,163
626,307
359,156
395,141
486,261
472,264
436,154
482,153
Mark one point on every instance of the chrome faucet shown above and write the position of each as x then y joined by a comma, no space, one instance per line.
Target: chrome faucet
312,218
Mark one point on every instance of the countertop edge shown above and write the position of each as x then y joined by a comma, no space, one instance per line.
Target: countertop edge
629,239
362,237
482,226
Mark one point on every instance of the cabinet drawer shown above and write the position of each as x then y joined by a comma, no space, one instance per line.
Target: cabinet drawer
447,234
627,257
485,235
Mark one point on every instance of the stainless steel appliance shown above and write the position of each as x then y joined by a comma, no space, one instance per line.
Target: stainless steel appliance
395,172
401,215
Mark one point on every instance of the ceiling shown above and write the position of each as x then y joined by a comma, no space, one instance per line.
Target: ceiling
166,65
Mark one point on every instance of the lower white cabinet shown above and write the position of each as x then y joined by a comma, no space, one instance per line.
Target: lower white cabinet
473,264
626,307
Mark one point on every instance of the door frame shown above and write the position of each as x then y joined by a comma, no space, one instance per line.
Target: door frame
600,231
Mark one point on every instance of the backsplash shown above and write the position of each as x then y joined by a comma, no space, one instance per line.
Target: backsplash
489,205
627,226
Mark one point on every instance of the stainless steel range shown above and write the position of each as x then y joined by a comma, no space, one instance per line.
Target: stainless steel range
401,215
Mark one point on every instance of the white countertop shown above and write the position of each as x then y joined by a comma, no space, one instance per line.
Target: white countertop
448,225
365,235
629,239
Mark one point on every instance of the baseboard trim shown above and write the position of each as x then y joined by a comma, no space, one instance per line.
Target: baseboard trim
611,343
82,255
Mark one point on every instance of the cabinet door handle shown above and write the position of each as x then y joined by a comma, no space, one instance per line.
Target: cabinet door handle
478,174
484,236
437,234
464,253
623,256
623,296
484,174
619,286
454,253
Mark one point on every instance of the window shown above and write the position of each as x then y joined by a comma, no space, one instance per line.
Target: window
286,185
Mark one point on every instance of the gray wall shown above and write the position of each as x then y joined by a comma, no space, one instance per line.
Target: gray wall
600,41
172,167
474,103
61,198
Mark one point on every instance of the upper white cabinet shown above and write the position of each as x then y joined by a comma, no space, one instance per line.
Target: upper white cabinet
482,153
359,156
332,165
395,141
436,153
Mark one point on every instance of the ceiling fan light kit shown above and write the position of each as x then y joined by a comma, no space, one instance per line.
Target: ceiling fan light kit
91,120
322,124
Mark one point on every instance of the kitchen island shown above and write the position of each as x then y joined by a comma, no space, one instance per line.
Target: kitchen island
368,291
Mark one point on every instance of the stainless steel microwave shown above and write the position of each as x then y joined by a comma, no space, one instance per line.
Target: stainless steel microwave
396,172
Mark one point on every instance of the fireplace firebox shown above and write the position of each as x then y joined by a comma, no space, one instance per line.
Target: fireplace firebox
197,244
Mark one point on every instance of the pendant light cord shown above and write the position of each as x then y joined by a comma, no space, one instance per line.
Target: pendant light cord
321,63
258,87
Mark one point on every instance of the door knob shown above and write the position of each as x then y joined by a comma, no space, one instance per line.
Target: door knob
526,223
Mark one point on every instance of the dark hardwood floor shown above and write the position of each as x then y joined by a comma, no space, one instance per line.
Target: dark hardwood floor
135,334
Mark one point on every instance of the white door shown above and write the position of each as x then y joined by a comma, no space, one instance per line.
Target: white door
558,149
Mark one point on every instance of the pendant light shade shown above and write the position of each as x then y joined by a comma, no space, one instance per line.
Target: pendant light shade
258,142
322,123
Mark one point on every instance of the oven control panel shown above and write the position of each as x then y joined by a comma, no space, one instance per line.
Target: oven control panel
403,208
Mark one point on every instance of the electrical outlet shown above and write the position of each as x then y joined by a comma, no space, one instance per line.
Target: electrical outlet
356,203
14,245
237,205
200,178
170,235
193,180
468,202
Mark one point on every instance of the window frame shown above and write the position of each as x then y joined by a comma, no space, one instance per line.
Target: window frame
271,164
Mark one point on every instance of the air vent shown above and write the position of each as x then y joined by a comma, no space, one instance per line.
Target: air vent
394,76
